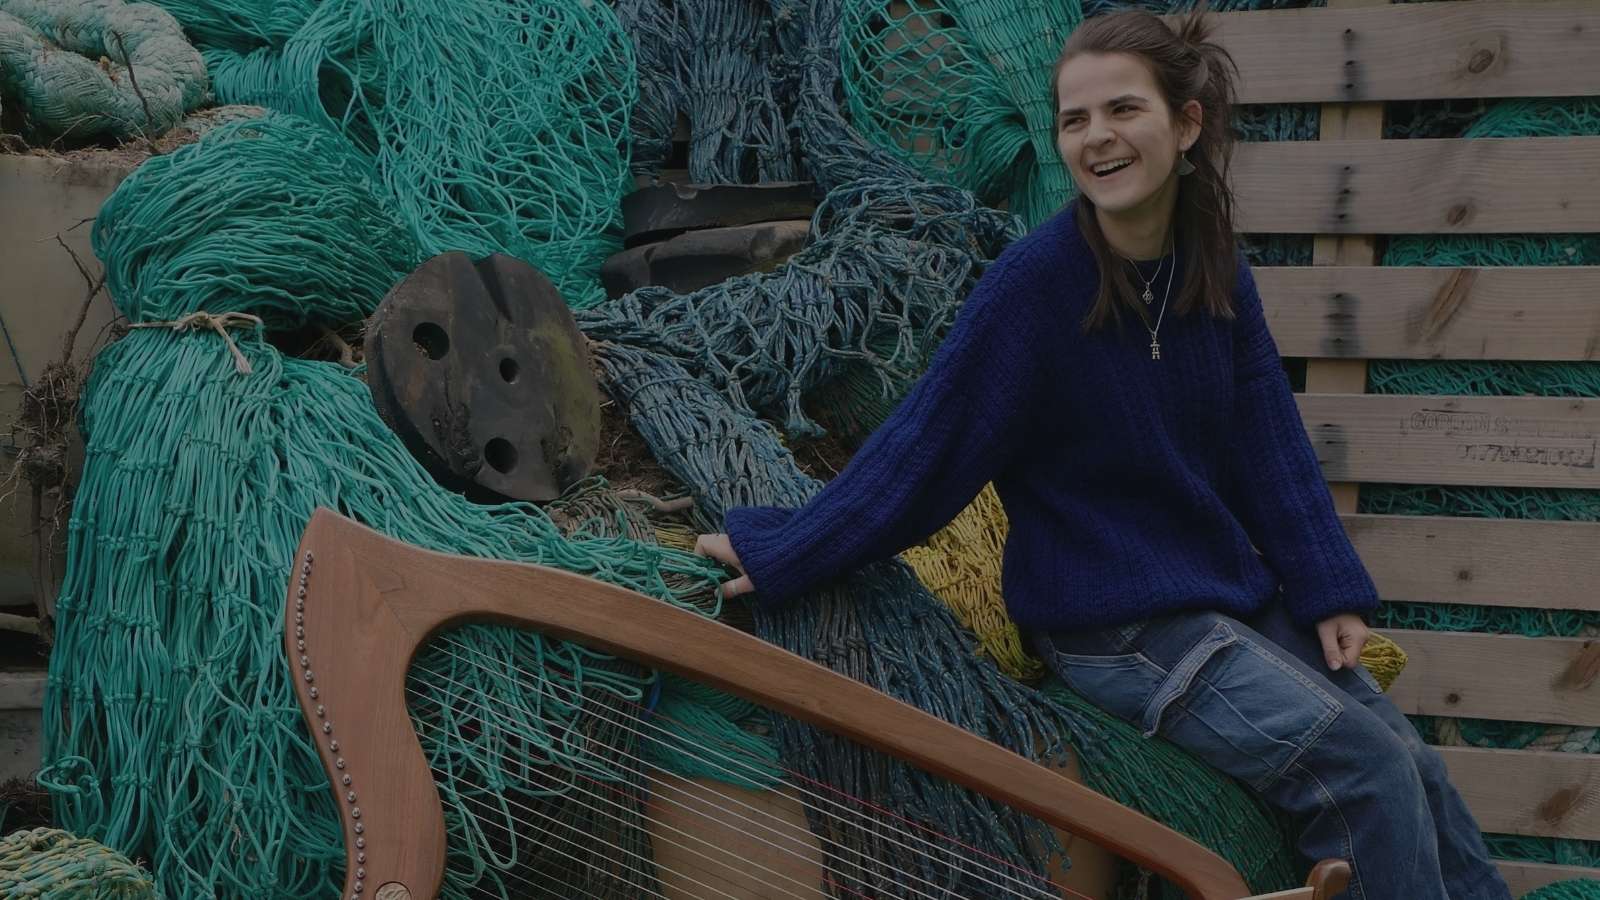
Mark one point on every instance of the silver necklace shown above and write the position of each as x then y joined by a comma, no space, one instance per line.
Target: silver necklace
1155,343
1149,295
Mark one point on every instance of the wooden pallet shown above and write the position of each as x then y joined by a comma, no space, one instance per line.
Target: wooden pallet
1342,311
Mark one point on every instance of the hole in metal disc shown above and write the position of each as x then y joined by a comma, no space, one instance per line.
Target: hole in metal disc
431,340
500,455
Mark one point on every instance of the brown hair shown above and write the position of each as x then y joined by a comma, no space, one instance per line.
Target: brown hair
1187,66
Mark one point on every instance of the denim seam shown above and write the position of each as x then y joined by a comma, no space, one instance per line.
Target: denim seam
1110,661
1187,669
1334,708
1294,673
1357,888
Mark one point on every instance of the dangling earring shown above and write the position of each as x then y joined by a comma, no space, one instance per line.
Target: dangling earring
1184,166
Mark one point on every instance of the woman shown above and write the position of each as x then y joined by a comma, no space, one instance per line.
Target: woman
1174,554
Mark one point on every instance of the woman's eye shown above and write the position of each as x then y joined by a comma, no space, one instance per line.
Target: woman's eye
1124,108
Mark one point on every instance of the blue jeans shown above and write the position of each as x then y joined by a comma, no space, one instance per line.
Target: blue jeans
1256,700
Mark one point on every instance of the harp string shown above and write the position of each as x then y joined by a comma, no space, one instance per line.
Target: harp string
578,789
812,892
928,852
937,857
647,865
1035,886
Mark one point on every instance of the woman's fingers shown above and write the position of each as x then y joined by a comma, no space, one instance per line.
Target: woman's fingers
1342,638
1332,653
720,548
716,546
1355,640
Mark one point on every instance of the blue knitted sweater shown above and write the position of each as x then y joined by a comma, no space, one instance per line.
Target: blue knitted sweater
1133,487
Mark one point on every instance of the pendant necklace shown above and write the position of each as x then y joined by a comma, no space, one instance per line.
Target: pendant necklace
1149,295
1166,293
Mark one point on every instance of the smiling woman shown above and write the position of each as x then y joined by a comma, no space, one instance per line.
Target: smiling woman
1174,555
1138,107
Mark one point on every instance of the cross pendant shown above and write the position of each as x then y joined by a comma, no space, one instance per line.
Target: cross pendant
1149,296
1155,349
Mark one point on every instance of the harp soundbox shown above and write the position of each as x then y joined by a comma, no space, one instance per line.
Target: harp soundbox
360,605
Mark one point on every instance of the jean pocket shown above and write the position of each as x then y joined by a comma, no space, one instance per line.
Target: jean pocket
1251,714
1183,674
1120,684
1133,687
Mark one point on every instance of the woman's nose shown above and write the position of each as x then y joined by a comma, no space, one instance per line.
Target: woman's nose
1099,133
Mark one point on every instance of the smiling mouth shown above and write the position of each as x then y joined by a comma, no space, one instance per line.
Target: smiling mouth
1110,166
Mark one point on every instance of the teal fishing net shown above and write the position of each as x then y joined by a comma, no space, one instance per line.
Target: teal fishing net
170,730
76,70
491,127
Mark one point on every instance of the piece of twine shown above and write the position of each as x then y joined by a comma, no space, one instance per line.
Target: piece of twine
218,322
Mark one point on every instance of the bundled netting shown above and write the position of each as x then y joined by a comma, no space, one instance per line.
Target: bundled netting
81,69
1514,118
171,731
962,88
713,64
493,127
50,864
961,566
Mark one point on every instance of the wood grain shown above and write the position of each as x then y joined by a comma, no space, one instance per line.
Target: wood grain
1529,792
1526,877
1423,186
1492,562
1548,313
1496,48
1507,441
1494,676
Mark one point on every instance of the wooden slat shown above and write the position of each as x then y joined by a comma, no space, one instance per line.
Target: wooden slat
1492,562
1344,122
1544,48
1528,792
1525,877
1496,676
1548,313
1423,186
1504,441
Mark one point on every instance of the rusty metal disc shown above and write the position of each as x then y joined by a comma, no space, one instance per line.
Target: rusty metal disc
481,370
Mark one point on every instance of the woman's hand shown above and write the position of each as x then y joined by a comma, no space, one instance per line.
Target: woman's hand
1342,636
719,548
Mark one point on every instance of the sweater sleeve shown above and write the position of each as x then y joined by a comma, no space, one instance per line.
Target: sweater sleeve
1281,496
951,435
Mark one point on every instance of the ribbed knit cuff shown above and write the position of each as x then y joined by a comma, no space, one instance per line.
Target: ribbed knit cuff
756,533
1307,609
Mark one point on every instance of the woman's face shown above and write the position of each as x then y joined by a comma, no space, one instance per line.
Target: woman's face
1117,134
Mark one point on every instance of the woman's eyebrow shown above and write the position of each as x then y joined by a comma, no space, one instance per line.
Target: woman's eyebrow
1124,98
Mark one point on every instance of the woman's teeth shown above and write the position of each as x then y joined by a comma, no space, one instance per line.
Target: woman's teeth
1109,166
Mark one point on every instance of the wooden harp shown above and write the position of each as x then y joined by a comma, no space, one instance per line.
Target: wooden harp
360,605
